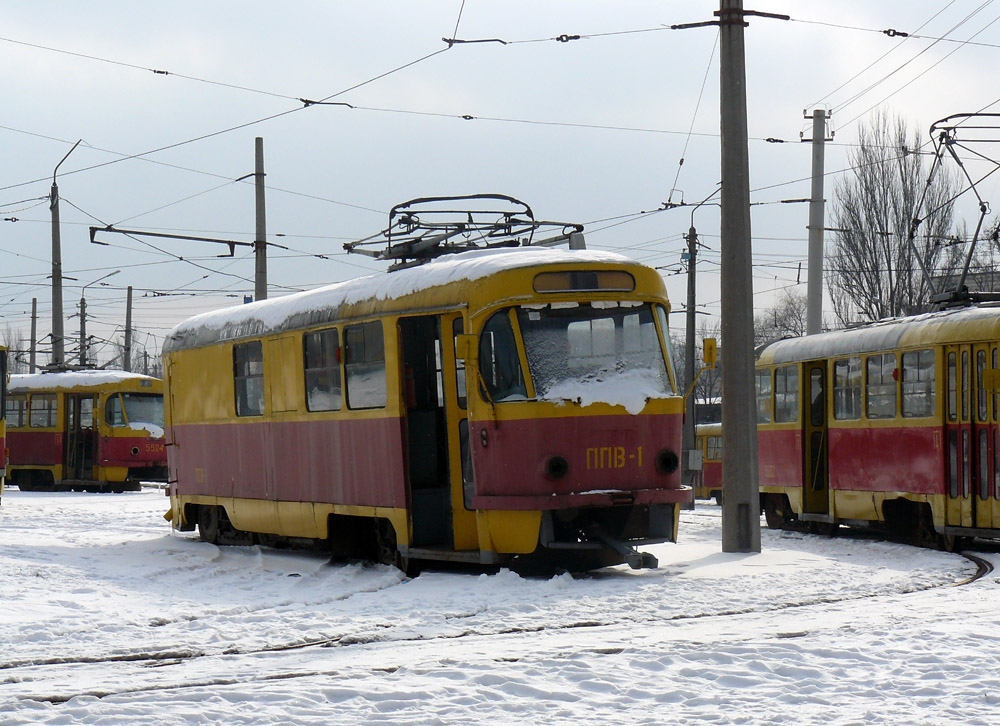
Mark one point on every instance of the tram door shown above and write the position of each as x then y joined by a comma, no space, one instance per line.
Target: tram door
984,437
815,493
424,394
81,439
959,436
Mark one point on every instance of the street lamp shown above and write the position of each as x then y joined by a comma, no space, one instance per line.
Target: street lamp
83,315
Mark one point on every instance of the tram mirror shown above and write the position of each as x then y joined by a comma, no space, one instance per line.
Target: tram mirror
709,352
465,346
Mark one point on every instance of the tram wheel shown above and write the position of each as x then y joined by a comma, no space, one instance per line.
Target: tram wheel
208,524
776,512
387,550
951,542
826,529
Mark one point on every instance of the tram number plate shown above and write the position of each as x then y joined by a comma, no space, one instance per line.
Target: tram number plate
154,448
613,457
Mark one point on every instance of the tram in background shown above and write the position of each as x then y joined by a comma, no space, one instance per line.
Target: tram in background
499,406
85,430
892,424
3,418
708,441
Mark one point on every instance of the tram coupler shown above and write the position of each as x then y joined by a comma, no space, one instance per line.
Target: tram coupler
633,558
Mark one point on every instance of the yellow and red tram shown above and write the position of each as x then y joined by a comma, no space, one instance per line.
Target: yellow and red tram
891,424
484,407
85,430
708,440
3,418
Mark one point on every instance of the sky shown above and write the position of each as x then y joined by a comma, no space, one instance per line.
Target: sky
167,102
111,618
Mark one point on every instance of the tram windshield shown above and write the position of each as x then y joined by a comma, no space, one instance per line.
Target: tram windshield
574,346
141,410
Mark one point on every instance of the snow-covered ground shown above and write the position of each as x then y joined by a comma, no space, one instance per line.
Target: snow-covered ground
109,618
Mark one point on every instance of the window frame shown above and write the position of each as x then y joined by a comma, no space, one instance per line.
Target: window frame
247,377
22,411
363,355
332,368
847,404
787,411
883,389
52,411
909,386
764,398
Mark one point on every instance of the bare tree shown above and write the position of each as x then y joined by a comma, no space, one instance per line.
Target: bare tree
709,386
874,272
17,347
787,319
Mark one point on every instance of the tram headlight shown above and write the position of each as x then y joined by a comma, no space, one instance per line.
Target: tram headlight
667,461
556,467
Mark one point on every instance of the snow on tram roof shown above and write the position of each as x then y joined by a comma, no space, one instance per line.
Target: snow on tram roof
314,306
942,326
71,379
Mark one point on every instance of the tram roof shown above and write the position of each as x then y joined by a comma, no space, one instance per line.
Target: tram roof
947,326
20,382
323,304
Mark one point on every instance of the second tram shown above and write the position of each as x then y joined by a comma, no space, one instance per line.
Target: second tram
85,430
486,407
708,440
3,419
892,424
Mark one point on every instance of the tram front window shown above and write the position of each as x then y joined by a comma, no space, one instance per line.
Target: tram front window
499,361
143,409
574,345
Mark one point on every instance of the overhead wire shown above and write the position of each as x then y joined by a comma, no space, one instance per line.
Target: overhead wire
921,74
694,117
305,104
871,65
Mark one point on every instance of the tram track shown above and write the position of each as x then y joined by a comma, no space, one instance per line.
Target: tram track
168,656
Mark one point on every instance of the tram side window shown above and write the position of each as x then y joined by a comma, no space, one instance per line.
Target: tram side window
365,366
982,405
457,328
952,388
499,362
322,370
763,386
42,410
880,392
16,410
248,374
847,389
918,383
786,394
713,448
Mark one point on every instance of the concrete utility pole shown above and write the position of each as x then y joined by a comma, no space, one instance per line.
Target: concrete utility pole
740,505
58,337
688,433
83,315
127,353
83,331
814,288
34,335
260,240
